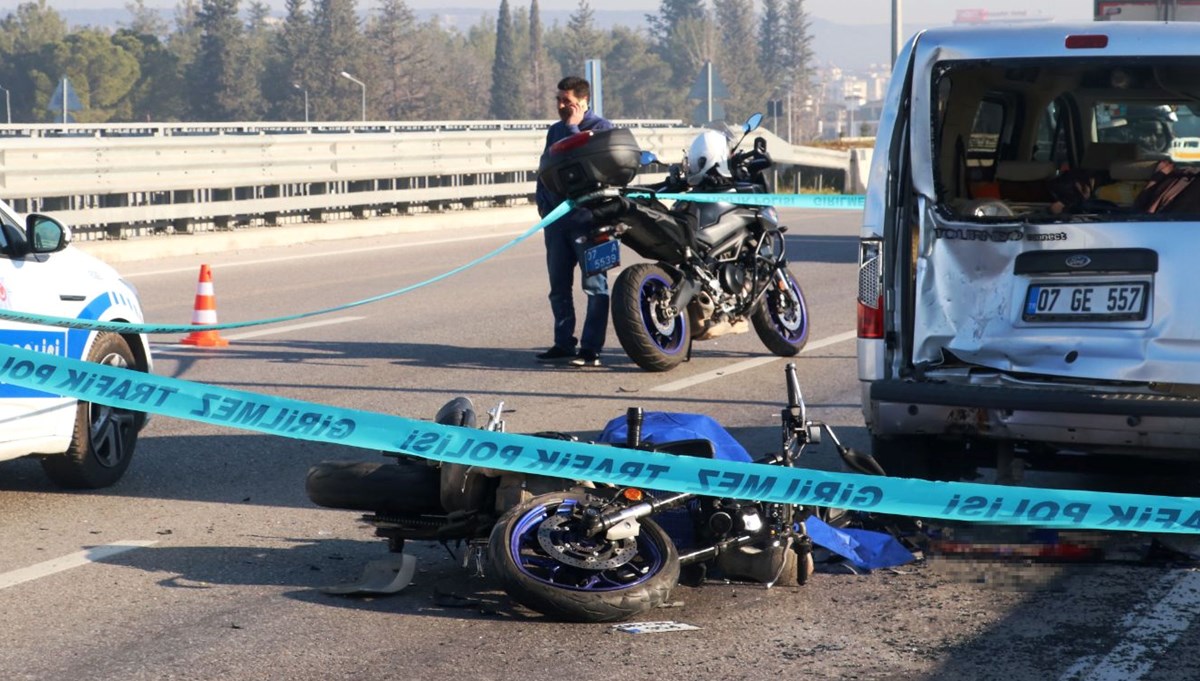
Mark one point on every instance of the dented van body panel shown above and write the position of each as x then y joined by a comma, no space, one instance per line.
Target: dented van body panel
1013,290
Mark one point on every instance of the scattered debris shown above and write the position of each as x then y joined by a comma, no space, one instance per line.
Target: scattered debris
383,576
653,627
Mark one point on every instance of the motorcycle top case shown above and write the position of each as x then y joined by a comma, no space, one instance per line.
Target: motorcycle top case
589,161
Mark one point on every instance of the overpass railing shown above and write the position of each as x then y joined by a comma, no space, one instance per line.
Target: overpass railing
124,180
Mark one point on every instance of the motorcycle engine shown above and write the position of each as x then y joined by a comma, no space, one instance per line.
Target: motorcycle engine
733,278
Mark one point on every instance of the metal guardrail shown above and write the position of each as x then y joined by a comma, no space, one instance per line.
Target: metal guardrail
118,181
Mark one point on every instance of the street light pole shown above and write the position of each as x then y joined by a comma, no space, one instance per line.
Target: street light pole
362,85
7,107
297,86
897,30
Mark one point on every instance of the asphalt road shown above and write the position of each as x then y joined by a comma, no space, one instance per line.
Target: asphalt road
225,554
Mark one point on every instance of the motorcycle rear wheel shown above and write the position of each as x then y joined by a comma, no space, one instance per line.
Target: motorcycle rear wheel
781,318
654,340
530,545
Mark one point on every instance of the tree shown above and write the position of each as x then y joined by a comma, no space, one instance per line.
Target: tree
637,81
100,71
797,57
738,58
34,25
506,82
400,60
539,99
158,93
218,84
288,69
770,37
144,19
336,32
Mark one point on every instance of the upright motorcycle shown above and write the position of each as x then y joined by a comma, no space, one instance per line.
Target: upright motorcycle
579,551
717,268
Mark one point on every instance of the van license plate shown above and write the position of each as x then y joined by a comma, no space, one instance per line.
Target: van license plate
602,257
1122,301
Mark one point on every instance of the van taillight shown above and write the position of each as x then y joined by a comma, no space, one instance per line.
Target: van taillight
870,319
870,290
1087,42
573,142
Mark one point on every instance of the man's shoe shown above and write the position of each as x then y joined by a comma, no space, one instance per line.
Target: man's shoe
555,354
586,358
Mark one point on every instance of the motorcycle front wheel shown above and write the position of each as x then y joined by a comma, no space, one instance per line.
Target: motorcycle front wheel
653,335
781,318
546,562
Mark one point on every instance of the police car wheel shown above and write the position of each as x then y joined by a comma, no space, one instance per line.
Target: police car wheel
104,438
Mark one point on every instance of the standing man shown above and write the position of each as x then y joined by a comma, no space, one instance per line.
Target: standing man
564,250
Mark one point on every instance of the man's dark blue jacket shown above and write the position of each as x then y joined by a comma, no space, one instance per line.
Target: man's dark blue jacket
548,200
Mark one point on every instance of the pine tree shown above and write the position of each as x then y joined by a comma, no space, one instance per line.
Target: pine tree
288,72
797,56
738,58
770,35
219,87
399,59
506,82
339,42
539,99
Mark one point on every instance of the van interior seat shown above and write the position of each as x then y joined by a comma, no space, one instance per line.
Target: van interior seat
1025,181
1128,180
1099,156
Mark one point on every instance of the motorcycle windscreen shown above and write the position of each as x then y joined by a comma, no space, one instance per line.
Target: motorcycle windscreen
1088,300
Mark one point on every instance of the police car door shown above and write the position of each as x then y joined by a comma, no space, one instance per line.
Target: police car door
39,284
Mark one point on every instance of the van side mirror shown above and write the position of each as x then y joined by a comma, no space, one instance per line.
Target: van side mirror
44,234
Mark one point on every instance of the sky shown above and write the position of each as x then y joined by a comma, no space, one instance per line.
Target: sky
922,12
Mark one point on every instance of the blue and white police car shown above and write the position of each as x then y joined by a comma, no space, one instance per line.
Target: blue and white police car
80,445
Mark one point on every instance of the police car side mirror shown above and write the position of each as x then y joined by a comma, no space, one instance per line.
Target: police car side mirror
44,234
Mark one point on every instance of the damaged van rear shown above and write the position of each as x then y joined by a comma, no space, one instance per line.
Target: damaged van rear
1029,280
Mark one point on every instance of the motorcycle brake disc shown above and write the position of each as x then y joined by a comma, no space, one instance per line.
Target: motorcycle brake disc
588,553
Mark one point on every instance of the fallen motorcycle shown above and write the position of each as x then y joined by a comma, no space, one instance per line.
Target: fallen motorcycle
717,268
578,551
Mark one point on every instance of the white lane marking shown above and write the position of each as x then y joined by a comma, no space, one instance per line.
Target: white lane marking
747,364
267,332
326,254
1147,637
67,562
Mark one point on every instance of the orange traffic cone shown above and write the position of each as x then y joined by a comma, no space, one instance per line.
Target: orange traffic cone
205,312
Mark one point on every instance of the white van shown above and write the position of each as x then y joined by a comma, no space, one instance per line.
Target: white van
81,445
1017,296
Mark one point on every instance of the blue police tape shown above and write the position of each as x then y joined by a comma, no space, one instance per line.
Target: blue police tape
816,201
126,327
128,389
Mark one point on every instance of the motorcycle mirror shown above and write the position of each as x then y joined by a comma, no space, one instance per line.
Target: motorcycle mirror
648,157
753,122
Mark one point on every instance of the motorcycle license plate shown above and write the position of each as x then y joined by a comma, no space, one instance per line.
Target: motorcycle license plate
1087,302
602,257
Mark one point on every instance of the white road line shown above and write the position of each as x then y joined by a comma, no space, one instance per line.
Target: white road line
267,332
1147,637
67,562
326,254
747,364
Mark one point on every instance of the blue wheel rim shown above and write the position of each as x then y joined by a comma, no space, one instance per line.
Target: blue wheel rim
533,562
670,343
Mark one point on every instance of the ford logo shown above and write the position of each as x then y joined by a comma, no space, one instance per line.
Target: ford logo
1077,261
